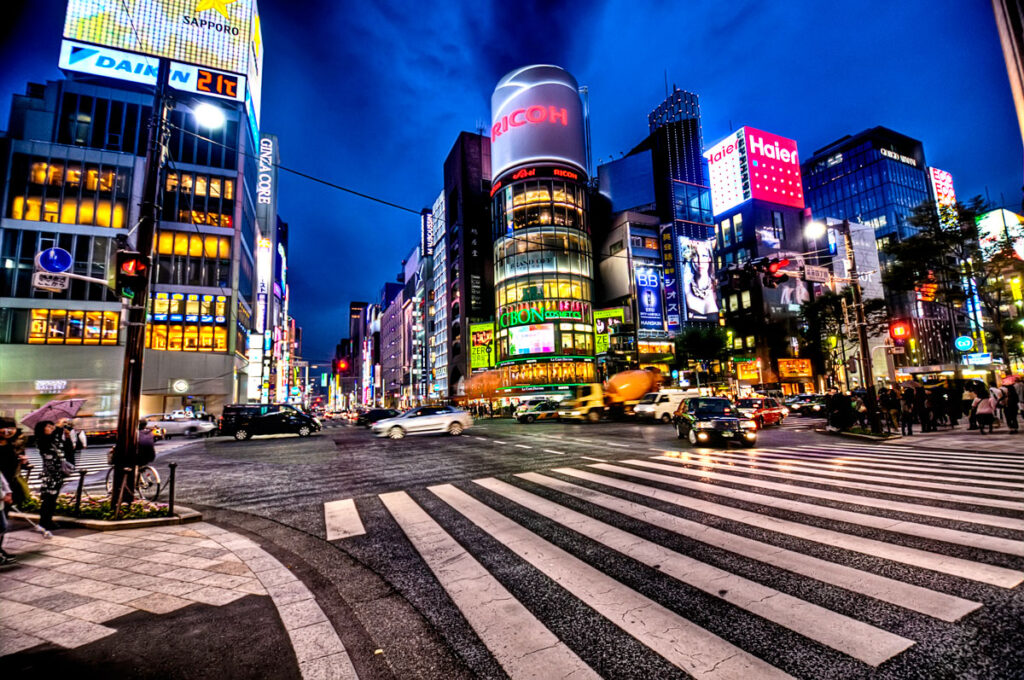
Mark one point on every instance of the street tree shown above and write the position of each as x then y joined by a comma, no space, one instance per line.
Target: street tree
823,318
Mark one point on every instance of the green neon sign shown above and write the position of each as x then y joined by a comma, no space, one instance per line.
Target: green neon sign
519,317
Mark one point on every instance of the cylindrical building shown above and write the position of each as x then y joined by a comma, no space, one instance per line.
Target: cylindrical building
543,264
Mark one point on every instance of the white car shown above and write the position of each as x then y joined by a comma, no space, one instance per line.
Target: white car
424,420
179,424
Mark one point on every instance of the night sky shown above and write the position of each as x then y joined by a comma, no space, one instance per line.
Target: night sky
371,95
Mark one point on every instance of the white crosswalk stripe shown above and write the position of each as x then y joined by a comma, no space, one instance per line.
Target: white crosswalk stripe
566,523
900,462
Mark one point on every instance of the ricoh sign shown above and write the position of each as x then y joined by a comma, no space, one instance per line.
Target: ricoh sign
751,163
536,116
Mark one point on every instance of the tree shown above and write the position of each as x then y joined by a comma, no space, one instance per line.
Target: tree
701,345
823,318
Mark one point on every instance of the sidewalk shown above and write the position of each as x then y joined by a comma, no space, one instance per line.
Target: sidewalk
191,601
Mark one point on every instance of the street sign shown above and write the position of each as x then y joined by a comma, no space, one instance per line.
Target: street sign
816,274
978,358
897,350
964,343
51,282
54,260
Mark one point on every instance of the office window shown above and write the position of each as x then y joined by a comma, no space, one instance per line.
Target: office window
47,189
193,259
69,327
199,199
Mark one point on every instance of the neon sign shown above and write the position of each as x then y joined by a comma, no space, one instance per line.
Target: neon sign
531,114
522,314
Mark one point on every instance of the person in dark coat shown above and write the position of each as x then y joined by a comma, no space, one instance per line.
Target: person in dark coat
50,450
954,404
12,457
909,411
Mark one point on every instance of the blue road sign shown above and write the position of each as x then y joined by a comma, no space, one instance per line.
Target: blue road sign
964,343
54,260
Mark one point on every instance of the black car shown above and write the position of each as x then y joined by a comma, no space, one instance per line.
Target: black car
812,406
703,420
242,421
367,418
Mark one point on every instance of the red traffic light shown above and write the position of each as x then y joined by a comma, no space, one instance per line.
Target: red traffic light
899,330
775,265
343,365
133,267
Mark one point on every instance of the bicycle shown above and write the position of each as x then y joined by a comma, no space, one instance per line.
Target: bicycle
147,482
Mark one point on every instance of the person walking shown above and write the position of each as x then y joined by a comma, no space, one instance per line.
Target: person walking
5,500
51,451
13,458
954,404
909,410
1012,407
891,404
67,438
985,412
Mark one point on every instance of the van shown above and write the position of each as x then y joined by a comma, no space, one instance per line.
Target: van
242,421
661,405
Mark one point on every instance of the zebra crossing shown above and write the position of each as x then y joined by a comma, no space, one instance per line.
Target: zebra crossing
809,561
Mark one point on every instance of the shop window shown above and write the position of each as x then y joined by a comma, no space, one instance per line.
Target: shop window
72,327
159,337
174,334
191,338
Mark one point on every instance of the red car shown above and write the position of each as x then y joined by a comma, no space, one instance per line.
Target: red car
764,411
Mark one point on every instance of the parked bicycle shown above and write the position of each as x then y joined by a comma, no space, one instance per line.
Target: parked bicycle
147,482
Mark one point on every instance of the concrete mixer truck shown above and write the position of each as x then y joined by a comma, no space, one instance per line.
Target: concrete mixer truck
613,399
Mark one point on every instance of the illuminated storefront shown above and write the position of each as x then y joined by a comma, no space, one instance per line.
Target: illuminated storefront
543,258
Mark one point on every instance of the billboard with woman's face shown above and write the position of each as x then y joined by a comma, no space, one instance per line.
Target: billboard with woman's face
697,276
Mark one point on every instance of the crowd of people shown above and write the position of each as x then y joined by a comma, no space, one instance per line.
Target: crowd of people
931,406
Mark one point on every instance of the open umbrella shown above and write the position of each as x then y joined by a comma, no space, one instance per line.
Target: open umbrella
54,410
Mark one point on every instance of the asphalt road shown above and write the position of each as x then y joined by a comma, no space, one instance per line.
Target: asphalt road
616,550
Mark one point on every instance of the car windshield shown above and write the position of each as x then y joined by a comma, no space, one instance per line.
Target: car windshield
649,398
712,407
749,403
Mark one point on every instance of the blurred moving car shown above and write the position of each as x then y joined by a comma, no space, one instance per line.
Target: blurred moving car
659,405
424,420
374,415
179,423
764,411
809,405
243,421
704,420
545,410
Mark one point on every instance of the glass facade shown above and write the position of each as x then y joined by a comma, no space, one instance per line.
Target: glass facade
58,189
59,327
543,281
192,259
188,322
89,258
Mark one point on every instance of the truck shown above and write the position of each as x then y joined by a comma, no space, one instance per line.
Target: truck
615,398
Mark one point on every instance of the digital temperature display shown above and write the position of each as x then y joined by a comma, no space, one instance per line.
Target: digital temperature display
221,84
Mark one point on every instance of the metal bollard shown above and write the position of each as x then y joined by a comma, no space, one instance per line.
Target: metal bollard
170,491
78,493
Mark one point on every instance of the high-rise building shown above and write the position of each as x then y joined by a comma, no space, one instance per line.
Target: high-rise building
1010,23
543,259
438,305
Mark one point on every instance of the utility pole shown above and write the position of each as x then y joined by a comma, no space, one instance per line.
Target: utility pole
867,374
127,446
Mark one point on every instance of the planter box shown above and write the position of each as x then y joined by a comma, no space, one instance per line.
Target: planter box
182,515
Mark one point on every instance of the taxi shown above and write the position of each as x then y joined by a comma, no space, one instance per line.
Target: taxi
764,411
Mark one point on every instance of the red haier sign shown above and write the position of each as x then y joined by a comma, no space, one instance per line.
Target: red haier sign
774,168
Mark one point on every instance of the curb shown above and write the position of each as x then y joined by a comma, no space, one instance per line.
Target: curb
863,437
182,515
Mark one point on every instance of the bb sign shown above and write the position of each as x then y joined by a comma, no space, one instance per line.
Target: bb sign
536,115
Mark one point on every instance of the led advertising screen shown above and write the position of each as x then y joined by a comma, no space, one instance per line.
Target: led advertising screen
648,298
605,321
942,187
536,115
751,163
481,346
795,368
532,339
1001,225
697,279
221,34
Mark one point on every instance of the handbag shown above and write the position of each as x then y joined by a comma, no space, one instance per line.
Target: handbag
66,468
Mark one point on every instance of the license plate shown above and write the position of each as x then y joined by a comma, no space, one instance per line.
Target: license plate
727,434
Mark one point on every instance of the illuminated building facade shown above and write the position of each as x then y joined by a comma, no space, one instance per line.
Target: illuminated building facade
543,258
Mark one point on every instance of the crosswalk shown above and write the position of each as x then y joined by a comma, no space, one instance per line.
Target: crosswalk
845,558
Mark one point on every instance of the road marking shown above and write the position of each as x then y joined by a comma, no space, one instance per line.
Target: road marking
839,467
581,441
862,641
523,446
498,441
939,605
699,652
560,453
600,460
898,506
906,451
341,519
480,438
621,446
975,571
519,642
859,486
961,463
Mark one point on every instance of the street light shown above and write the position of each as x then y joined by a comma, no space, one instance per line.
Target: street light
209,116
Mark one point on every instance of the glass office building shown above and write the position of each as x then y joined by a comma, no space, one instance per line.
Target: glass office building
876,177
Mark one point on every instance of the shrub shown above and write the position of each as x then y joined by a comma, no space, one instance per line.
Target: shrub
99,508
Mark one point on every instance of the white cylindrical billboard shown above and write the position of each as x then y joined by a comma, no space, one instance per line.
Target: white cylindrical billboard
536,116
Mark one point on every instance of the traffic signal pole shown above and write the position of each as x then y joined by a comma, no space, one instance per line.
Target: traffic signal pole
867,374
127,445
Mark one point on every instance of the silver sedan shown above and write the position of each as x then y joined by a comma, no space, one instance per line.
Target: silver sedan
424,420
177,425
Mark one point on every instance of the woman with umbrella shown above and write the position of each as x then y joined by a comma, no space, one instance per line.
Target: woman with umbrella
53,471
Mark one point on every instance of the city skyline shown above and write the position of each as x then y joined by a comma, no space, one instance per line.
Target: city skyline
422,93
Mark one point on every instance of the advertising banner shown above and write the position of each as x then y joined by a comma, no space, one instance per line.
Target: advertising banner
795,368
536,115
751,163
999,225
532,339
481,344
605,321
786,298
648,298
747,371
221,35
697,279
673,300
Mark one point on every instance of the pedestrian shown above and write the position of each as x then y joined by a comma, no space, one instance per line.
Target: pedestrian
891,405
999,399
985,412
51,451
909,410
1012,408
13,458
69,439
922,397
833,410
861,410
6,498
954,404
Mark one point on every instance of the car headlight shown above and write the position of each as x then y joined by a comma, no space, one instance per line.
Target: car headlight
816,407
748,424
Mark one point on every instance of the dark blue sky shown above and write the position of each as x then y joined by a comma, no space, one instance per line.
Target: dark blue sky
371,95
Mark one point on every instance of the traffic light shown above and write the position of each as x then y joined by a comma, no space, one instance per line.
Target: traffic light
343,365
773,274
899,331
131,273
